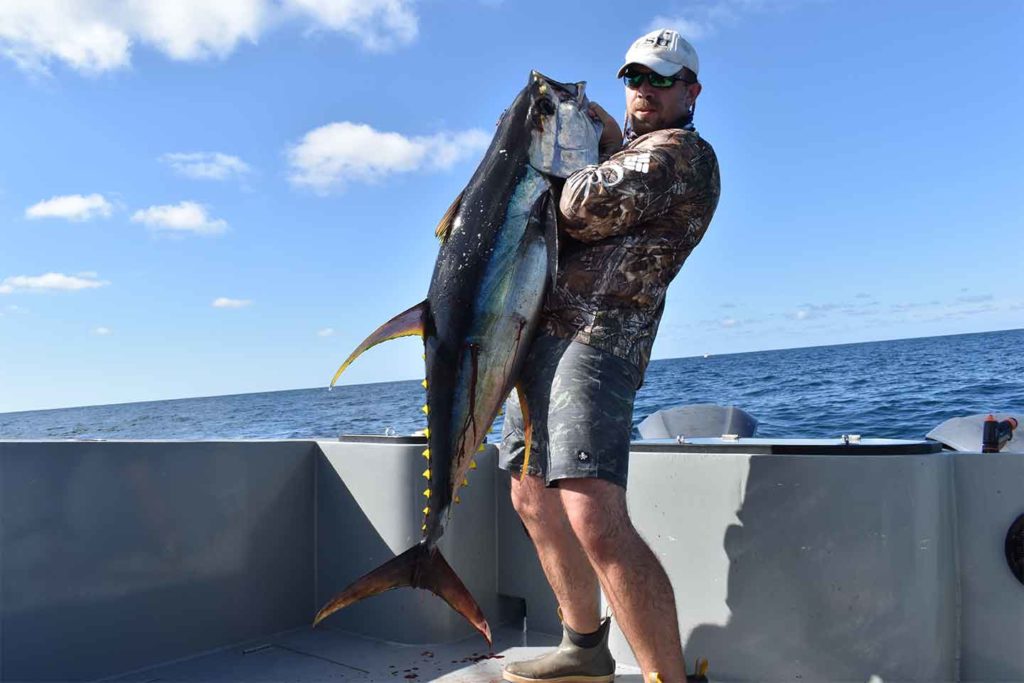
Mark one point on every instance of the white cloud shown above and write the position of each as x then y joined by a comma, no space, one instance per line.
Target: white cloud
331,155
189,30
50,282
181,217
692,29
73,207
36,32
729,322
205,165
326,332
94,36
101,331
379,25
699,20
225,302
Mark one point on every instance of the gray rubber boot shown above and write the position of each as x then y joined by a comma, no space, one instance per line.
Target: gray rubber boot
570,663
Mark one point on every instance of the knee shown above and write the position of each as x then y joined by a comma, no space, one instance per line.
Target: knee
532,501
604,531
602,537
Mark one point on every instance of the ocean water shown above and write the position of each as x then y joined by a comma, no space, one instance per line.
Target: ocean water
895,389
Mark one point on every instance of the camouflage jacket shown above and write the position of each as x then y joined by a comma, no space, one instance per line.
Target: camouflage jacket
628,225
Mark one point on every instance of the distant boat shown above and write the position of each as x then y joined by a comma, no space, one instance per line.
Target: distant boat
707,355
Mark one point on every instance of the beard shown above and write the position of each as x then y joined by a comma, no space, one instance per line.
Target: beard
642,127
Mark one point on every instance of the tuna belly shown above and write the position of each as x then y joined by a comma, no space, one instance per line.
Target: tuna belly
494,351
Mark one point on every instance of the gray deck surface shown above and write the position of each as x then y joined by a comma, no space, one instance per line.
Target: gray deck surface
327,655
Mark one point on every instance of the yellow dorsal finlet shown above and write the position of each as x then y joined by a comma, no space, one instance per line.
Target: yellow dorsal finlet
472,464
426,432
701,667
426,510
424,383
425,409
426,453
427,493
465,482
457,500
426,473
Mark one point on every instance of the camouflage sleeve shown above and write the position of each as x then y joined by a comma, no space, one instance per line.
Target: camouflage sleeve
636,184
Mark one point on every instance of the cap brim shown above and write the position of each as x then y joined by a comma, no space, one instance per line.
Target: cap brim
661,67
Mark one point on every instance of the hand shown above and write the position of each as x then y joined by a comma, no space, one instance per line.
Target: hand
611,134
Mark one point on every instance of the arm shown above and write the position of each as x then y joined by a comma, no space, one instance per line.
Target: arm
611,134
633,185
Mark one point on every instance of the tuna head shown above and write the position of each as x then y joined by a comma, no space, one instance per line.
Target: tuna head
563,136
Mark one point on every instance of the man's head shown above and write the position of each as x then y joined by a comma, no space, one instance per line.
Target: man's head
660,73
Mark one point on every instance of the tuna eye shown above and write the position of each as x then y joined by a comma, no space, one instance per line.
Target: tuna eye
539,109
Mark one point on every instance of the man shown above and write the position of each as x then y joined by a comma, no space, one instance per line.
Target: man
628,225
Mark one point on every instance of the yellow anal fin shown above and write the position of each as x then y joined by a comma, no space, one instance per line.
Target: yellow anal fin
527,429
406,324
444,226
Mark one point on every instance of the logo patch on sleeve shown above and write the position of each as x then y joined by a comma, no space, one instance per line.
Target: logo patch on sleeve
640,162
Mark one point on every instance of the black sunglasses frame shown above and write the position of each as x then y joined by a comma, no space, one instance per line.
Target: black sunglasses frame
634,80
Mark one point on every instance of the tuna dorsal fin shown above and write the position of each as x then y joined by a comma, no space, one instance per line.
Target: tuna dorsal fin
406,324
421,566
444,227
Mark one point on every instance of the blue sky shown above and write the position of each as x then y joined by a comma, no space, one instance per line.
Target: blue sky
203,198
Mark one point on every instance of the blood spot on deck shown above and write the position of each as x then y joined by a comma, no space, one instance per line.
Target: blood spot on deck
477,657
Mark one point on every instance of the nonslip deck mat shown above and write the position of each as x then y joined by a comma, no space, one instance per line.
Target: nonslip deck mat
306,655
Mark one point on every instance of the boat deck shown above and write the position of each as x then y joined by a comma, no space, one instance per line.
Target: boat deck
206,561
306,655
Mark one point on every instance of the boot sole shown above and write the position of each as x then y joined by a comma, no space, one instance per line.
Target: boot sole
516,678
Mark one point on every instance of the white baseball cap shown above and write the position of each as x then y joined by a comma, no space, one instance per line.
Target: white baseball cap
663,51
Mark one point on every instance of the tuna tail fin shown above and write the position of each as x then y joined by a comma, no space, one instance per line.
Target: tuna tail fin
406,324
421,566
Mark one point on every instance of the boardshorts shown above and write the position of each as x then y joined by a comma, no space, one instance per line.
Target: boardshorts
580,401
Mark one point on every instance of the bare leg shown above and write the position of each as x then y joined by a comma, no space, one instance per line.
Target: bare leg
633,579
565,564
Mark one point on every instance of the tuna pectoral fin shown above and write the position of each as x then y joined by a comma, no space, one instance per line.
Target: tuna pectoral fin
405,324
419,567
549,214
527,430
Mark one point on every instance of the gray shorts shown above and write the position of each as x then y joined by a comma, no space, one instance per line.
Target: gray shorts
580,401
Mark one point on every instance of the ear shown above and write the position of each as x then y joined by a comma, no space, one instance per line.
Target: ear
694,89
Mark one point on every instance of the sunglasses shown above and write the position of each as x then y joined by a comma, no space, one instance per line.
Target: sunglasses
635,80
